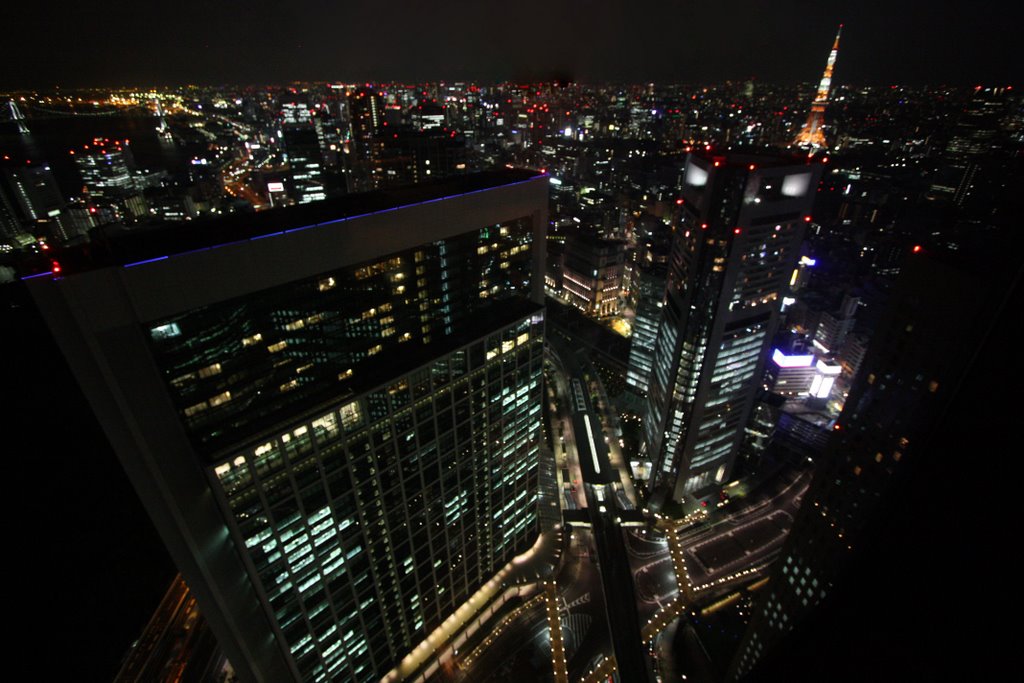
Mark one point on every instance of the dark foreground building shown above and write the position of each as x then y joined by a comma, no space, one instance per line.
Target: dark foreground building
331,412
879,556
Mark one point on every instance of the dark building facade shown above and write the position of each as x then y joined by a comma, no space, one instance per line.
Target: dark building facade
648,290
893,429
334,422
31,203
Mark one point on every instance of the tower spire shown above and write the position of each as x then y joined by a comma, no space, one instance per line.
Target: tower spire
811,134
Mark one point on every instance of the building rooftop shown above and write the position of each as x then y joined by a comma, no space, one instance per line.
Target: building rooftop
134,246
760,158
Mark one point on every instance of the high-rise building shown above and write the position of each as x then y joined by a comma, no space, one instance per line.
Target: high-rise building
648,290
331,412
30,197
790,374
734,252
366,119
407,156
302,150
592,273
305,161
106,167
34,190
834,325
11,230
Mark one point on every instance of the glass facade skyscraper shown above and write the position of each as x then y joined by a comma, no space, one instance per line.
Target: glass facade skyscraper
335,425
742,223
649,287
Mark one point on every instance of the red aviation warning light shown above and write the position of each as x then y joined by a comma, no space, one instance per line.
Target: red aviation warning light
917,249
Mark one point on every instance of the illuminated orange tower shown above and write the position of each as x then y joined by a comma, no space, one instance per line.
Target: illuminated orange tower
812,134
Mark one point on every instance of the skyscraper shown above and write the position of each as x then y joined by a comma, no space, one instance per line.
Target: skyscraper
331,412
302,150
734,251
106,168
365,118
30,199
648,290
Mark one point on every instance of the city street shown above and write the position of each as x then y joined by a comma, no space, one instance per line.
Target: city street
614,579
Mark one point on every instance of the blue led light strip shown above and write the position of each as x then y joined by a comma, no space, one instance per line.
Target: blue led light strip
312,225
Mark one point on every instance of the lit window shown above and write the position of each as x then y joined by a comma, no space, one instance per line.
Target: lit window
210,370
179,381
274,348
198,408
326,425
249,341
165,331
351,415
222,397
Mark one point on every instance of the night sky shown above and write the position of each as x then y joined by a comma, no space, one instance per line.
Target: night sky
120,42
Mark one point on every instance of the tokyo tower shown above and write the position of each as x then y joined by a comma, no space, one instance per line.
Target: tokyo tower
812,134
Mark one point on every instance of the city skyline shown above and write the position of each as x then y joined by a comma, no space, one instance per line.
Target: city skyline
490,380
